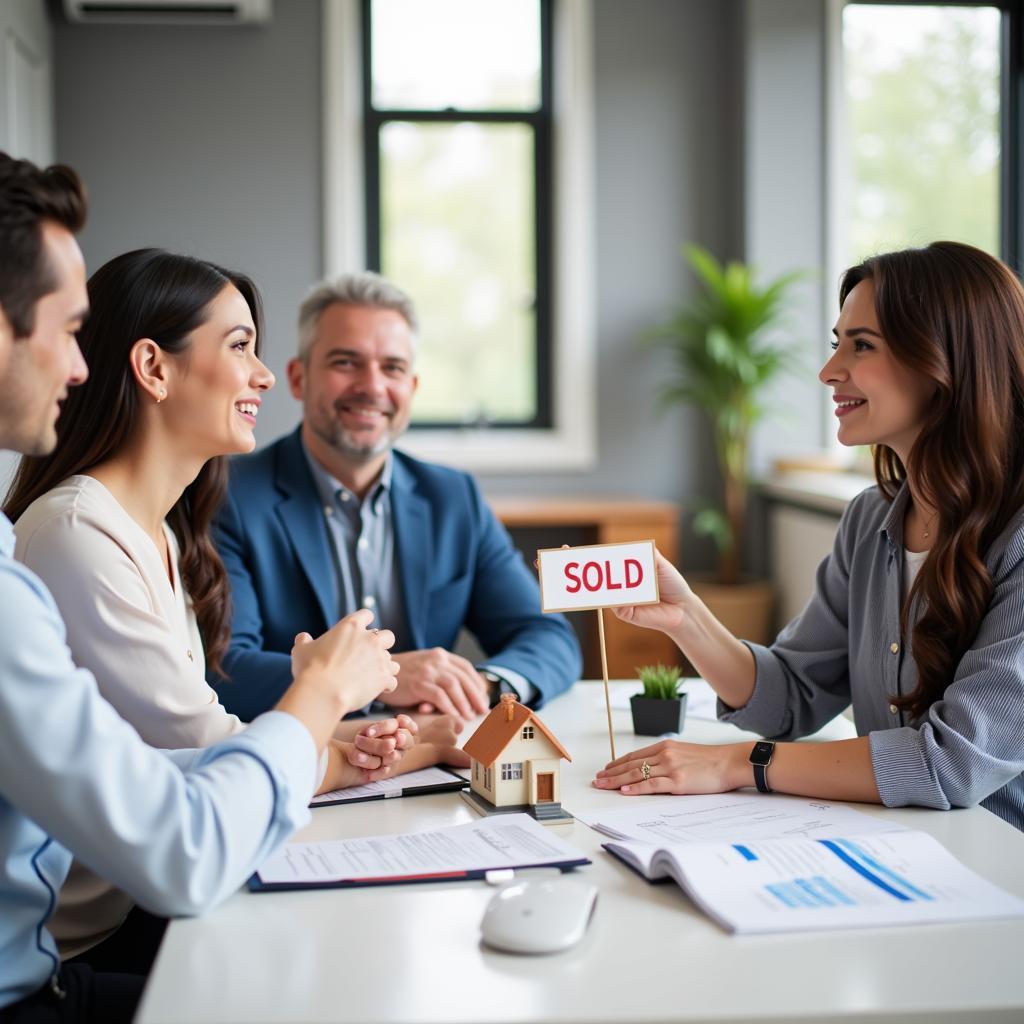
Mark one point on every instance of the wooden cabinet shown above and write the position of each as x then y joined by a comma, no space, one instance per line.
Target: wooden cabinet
549,522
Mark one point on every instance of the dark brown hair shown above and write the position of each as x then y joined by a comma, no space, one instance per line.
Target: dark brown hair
153,294
954,315
29,197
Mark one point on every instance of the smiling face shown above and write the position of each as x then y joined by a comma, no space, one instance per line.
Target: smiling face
878,400
357,384
36,372
214,386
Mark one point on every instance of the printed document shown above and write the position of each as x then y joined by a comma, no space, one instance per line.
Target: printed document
427,779
802,884
729,817
466,851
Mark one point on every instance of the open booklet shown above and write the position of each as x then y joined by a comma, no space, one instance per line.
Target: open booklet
781,864
437,855
426,780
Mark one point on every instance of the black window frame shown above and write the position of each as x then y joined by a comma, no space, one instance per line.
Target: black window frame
540,122
1011,108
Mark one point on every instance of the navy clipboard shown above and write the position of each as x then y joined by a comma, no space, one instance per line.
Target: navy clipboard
256,884
387,789
505,842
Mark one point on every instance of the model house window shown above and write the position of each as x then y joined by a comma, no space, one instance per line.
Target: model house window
488,778
514,770
476,771
527,732
929,133
457,123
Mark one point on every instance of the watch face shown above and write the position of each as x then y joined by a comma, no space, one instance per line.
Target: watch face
762,752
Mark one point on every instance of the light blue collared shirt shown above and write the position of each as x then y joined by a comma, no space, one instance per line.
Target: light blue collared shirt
366,569
177,830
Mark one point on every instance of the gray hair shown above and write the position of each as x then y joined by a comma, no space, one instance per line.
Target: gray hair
360,289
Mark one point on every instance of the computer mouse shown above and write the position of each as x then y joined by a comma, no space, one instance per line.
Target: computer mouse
539,916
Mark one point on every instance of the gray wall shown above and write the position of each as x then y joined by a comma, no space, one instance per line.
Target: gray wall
203,140
208,141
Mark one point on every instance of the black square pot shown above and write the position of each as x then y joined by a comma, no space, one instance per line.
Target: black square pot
653,717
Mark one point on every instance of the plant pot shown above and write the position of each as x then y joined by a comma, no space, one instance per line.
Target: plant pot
746,609
653,717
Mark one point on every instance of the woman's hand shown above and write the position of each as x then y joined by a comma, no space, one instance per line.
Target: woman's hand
671,610
342,771
677,767
440,733
349,661
383,742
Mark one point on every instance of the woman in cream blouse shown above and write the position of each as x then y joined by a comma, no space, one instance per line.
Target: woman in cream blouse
116,522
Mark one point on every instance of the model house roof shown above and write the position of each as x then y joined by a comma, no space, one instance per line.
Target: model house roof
502,726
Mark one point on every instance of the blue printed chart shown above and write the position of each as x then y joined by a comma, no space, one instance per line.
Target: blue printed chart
796,884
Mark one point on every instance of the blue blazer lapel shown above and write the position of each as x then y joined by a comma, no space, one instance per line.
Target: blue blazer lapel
412,517
303,520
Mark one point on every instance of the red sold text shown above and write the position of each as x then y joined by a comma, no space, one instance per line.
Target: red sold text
598,576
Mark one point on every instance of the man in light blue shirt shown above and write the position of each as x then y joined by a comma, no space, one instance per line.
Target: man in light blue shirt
178,830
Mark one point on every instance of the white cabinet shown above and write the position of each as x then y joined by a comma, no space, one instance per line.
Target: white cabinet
804,510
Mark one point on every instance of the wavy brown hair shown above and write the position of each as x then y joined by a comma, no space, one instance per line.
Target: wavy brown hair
153,294
955,315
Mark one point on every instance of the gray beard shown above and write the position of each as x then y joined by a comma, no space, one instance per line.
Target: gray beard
337,437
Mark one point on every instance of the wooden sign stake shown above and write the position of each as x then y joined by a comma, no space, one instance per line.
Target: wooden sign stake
604,672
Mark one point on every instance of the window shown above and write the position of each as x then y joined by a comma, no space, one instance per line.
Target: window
488,778
928,129
527,732
476,771
511,771
457,123
549,422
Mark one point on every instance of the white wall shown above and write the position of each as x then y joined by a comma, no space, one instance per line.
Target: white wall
786,197
26,104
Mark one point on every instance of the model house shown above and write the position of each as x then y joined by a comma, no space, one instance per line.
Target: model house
516,762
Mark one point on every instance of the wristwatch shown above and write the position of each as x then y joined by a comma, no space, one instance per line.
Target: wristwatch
760,758
494,685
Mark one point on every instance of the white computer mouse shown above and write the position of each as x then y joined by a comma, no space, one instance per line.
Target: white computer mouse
539,916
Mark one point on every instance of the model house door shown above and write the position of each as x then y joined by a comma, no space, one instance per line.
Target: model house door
545,787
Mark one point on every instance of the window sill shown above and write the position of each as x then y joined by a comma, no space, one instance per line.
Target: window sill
504,451
822,490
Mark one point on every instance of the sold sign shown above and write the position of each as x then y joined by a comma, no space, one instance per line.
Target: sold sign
597,576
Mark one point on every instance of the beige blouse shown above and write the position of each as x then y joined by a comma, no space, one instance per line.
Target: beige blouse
134,628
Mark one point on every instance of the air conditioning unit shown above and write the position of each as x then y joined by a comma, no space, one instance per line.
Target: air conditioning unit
168,12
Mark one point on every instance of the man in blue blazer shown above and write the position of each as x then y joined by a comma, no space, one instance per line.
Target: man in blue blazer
330,518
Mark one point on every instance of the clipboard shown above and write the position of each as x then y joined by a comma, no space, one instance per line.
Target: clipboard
256,884
437,779
512,842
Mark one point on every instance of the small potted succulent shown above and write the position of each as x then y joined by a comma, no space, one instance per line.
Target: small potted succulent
661,707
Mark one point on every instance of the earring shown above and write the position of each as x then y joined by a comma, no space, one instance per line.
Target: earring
163,395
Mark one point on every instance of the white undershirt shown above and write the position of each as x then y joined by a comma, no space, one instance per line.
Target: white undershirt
912,562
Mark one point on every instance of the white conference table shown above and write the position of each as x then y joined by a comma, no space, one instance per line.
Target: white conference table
411,953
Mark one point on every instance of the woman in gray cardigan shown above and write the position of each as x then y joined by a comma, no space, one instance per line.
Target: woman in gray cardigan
917,617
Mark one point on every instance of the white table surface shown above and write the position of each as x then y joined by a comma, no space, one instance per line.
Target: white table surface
412,953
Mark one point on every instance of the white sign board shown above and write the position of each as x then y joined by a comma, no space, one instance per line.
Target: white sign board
597,576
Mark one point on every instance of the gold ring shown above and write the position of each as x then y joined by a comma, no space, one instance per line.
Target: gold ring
645,771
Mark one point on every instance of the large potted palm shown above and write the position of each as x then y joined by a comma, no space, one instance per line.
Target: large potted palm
724,358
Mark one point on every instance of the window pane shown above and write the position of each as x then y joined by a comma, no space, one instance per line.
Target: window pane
922,93
457,214
462,54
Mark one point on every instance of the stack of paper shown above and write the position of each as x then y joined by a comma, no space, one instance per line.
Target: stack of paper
779,864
